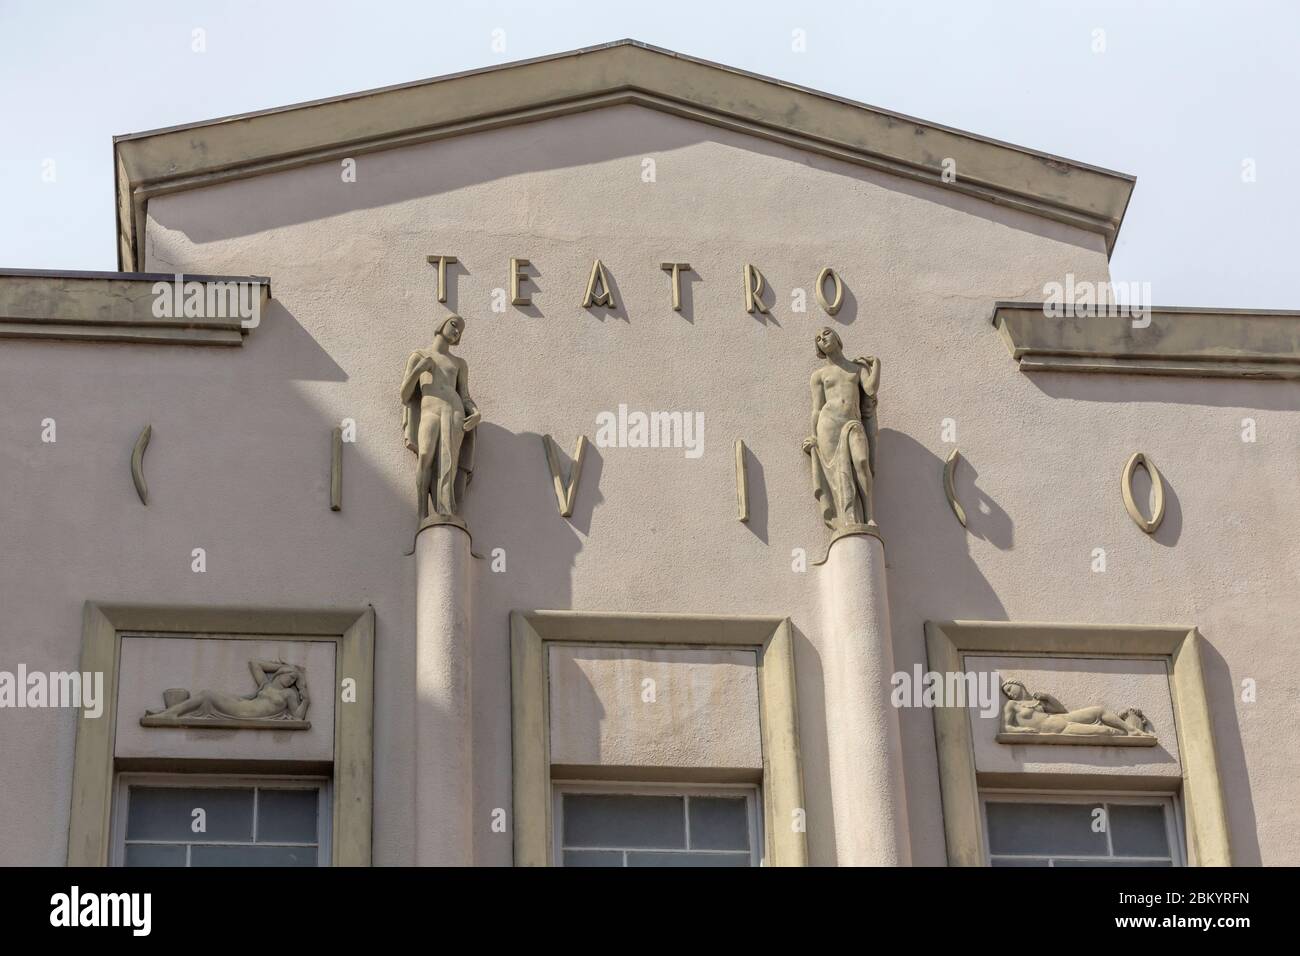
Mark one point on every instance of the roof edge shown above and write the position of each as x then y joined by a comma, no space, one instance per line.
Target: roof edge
175,158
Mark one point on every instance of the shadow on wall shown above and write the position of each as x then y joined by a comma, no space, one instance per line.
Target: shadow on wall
395,176
1233,767
1241,394
814,753
511,467
932,545
756,490
1171,528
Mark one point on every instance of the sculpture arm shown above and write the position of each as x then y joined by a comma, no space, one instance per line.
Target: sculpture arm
304,699
472,414
870,381
818,403
262,670
1050,704
415,365
870,384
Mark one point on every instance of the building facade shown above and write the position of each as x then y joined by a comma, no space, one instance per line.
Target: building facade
635,564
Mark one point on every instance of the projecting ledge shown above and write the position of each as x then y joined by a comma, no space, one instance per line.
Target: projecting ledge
1209,343
138,307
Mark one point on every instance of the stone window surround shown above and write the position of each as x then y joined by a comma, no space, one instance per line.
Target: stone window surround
352,630
770,637
947,644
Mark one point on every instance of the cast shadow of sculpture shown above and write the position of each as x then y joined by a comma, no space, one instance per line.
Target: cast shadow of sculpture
924,541
985,519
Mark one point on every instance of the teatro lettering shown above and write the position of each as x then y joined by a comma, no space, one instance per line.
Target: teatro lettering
599,293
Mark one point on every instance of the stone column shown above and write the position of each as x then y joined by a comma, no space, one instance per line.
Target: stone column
866,760
444,769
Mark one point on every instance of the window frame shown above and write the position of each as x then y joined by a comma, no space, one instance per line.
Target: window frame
1200,794
752,793
94,761
1174,823
770,637
243,781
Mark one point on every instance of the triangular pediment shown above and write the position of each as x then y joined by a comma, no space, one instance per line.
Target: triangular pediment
203,154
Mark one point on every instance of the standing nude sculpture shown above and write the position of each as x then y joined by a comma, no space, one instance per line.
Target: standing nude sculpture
281,697
438,420
842,445
1036,714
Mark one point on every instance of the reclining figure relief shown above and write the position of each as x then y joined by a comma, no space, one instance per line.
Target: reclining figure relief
1037,717
279,703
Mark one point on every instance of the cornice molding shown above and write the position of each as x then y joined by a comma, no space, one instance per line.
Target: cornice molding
1210,343
188,157
123,307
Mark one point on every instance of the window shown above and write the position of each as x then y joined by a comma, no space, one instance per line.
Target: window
656,827
215,821
1099,830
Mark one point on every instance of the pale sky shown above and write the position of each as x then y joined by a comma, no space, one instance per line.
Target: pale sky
1185,95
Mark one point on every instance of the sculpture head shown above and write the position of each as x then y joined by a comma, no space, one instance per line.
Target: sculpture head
1015,690
828,343
452,328
286,676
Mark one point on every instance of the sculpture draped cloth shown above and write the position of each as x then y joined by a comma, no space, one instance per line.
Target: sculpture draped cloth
835,485
463,468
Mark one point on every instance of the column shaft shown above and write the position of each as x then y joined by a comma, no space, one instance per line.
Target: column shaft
866,762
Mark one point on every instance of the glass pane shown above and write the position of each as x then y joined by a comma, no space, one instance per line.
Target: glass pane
167,813
253,856
286,816
719,823
642,858
1043,828
1138,829
1109,863
146,854
1017,861
610,820
593,858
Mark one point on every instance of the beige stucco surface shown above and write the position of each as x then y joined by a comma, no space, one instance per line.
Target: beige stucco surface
699,709
239,462
1078,683
149,665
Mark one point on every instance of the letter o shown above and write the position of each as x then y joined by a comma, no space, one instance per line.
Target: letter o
830,307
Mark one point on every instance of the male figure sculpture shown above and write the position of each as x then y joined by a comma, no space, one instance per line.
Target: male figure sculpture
439,420
843,441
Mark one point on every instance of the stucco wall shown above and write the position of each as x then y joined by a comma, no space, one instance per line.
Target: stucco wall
239,459
649,707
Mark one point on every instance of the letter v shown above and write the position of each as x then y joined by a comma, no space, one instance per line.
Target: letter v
565,493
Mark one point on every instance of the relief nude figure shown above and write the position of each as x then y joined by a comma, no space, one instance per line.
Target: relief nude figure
1032,714
842,445
438,420
281,698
